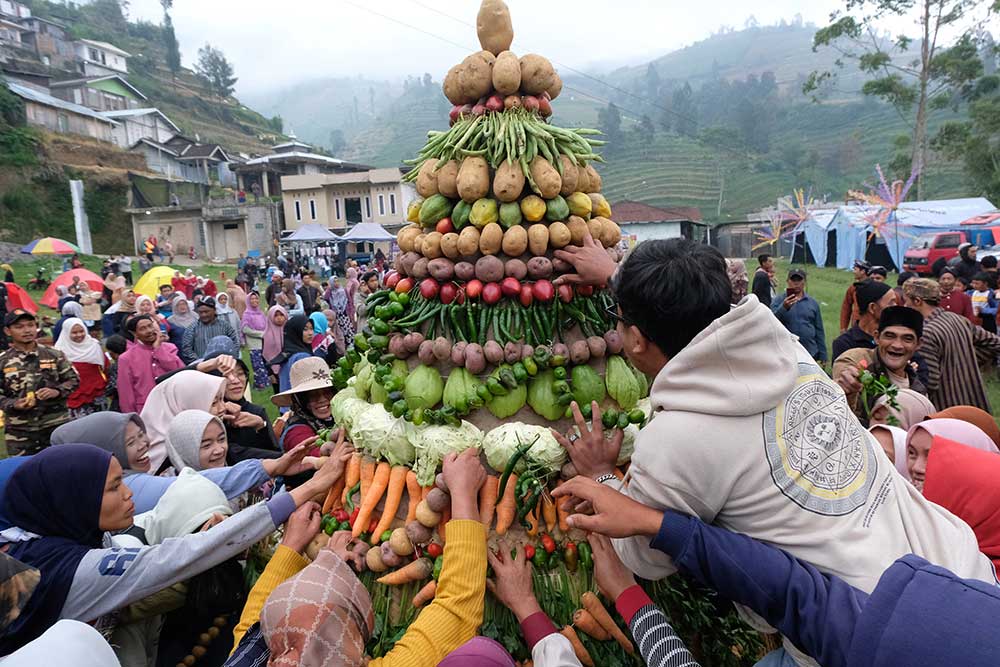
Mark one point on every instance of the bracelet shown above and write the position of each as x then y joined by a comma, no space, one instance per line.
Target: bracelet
606,477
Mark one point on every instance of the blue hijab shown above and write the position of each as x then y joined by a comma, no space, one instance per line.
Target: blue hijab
320,323
57,494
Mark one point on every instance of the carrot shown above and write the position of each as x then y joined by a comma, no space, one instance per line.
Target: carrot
368,466
581,652
418,570
426,594
533,521
445,518
425,490
332,501
549,511
413,490
562,512
393,497
585,621
601,615
488,500
619,474
353,474
507,507
379,482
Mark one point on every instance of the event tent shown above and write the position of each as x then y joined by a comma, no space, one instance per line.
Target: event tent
17,297
367,232
312,233
93,281
149,283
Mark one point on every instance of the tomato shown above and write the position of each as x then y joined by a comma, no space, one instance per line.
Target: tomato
543,291
529,551
474,288
585,290
404,285
444,226
548,543
565,293
448,293
341,515
372,525
434,550
510,287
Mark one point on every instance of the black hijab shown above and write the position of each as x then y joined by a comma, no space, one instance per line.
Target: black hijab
293,344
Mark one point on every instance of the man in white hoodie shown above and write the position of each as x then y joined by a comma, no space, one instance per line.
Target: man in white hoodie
749,433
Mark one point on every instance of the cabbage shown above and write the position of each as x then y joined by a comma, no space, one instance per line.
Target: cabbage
433,443
338,402
500,444
628,445
383,436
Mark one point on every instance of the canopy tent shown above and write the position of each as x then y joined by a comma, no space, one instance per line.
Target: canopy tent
150,282
367,232
93,281
816,229
18,298
312,233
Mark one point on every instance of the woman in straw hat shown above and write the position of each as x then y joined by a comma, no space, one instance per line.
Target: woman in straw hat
309,400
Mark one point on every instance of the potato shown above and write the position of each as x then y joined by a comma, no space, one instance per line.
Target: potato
582,179
490,239
418,242
493,352
610,233
473,179
420,271
465,271
489,269
475,361
452,88
373,559
426,353
449,246
556,86
441,269
427,178
570,176
579,352
406,236
507,73
468,241
614,342
559,235
512,352
442,348
493,26
400,543
598,347
418,533
397,346
458,354
408,260
515,268
426,516
438,500
447,179
537,74
539,267
538,240
594,179
577,227
412,341
596,228
476,77
508,183
317,543
515,241
431,248
548,182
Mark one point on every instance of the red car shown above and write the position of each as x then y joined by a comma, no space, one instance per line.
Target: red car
929,248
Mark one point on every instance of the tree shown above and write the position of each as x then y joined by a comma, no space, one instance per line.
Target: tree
277,123
652,82
684,109
915,87
337,142
609,120
216,70
975,141
646,128
173,55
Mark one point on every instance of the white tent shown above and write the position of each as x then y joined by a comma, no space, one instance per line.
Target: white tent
367,232
312,233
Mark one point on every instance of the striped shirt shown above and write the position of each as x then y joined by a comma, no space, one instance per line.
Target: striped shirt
949,346
658,642
197,335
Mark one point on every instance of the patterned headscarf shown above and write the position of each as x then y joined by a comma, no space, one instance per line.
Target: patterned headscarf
321,616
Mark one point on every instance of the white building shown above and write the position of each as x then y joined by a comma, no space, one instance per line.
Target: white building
136,124
99,58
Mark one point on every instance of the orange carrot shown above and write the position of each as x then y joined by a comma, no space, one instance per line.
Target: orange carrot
585,621
488,500
601,615
507,507
368,465
379,482
413,490
581,651
533,521
393,497
562,512
426,594
353,474
418,570
333,497
549,511
445,518
425,490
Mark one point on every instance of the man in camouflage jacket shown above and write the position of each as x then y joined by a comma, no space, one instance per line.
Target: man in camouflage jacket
35,382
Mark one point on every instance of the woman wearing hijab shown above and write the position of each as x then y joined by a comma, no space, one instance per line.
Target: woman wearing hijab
124,437
224,311
190,390
89,362
337,298
323,343
69,310
274,343
250,433
322,614
309,398
289,298
351,289
254,326
146,306
914,408
71,496
121,311
296,344
237,297
736,269
182,318
197,440
921,437
893,442
975,416
62,293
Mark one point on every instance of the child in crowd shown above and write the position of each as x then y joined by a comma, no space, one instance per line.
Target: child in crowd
984,303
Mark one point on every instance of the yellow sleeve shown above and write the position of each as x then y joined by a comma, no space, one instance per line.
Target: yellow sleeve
456,613
284,564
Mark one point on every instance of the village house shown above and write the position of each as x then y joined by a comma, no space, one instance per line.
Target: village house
100,58
136,124
290,158
50,41
185,159
110,92
56,115
641,222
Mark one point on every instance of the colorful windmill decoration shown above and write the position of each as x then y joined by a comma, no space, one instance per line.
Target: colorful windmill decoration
886,199
776,227
798,207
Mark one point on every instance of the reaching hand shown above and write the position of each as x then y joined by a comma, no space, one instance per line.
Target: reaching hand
592,455
614,513
327,447
334,466
511,583
610,573
848,380
463,473
248,420
592,263
302,526
213,520
289,464
342,543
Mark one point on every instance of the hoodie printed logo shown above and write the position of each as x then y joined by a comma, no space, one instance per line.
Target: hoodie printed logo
819,454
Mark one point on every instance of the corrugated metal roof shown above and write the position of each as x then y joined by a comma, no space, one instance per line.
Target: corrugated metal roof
278,157
104,45
94,79
128,113
46,99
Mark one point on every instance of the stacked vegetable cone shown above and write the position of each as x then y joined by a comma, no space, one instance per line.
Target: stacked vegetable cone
471,344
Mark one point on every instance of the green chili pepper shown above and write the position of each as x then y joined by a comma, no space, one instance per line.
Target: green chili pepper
556,360
349,505
586,411
495,387
636,416
378,326
399,409
379,342
484,392
541,559
511,464
560,386
565,399
385,536
373,355
520,373
361,342
403,298
396,309
623,420
586,555
354,356
393,297
438,564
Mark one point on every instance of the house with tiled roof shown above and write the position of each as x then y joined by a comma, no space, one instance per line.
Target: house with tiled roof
641,222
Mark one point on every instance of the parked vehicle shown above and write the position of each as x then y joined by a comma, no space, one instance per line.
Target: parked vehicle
926,249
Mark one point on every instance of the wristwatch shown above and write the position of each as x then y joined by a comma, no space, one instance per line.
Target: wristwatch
606,477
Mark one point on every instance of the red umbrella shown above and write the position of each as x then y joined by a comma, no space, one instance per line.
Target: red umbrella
18,298
66,279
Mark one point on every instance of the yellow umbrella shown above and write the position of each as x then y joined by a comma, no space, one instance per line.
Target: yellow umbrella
149,283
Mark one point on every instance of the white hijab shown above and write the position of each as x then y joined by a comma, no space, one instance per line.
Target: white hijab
65,638
87,352
184,438
185,506
186,390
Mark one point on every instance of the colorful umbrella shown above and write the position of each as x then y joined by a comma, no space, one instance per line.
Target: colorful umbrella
18,298
93,281
150,282
49,246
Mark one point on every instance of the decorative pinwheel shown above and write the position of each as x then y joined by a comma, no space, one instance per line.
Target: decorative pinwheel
885,199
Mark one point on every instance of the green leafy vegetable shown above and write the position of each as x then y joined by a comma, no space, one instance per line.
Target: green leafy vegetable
501,443
622,383
543,397
423,388
432,443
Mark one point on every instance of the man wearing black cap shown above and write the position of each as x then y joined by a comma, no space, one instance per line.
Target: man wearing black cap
849,308
34,384
800,314
208,326
953,297
899,332
872,297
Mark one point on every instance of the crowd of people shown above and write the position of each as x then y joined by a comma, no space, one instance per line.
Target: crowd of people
856,514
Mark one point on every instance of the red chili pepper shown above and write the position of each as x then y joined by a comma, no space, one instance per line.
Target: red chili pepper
354,515
372,526
548,543
341,515
434,550
529,551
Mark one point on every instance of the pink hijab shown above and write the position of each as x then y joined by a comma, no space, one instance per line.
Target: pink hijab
478,652
958,431
274,336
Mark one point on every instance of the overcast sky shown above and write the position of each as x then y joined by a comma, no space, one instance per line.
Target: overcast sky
274,43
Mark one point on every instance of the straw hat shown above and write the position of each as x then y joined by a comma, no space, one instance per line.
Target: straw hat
305,375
